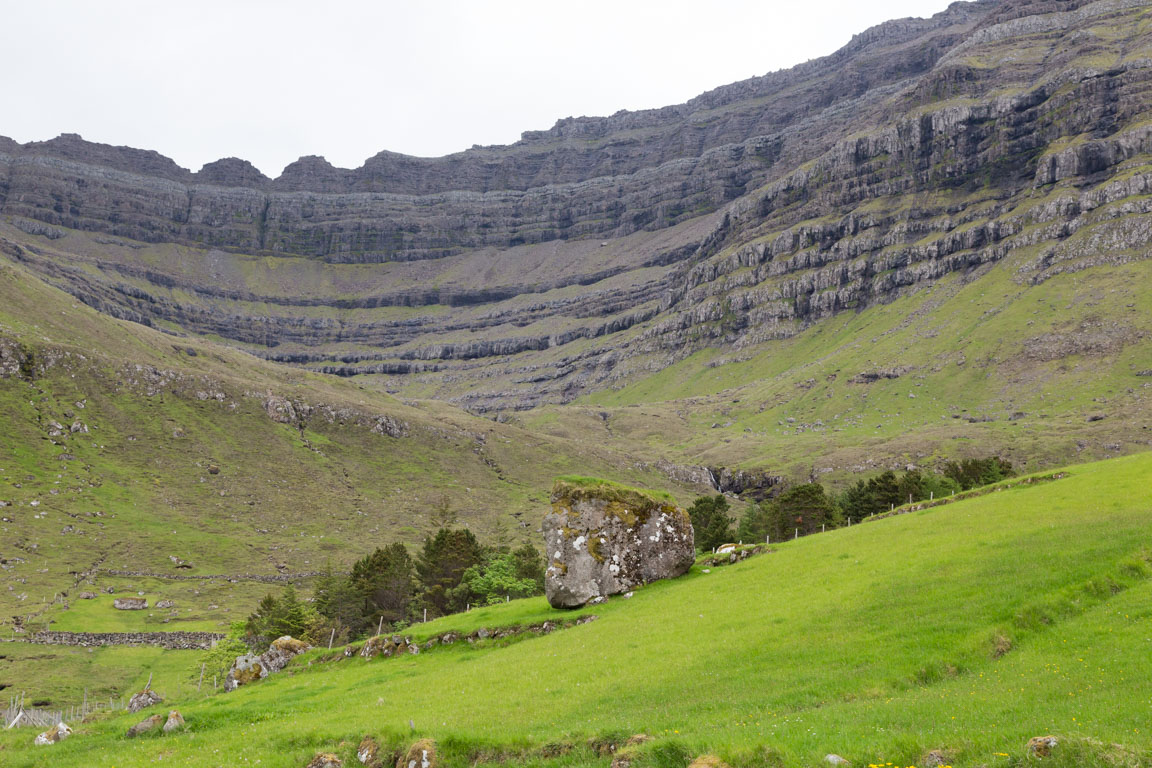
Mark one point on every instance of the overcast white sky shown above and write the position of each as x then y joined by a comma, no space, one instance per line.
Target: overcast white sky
271,80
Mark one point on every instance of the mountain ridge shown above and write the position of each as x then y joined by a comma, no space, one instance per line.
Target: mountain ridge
235,171
923,148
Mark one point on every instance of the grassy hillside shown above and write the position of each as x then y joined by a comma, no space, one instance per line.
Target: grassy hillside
179,466
975,364
966,628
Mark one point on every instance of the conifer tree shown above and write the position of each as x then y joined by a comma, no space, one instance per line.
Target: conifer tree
385,583
441,565
710,522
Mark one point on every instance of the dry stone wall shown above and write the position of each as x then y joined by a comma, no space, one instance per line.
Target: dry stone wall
180,641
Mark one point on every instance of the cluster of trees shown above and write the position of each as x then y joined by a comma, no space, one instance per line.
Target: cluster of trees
806,508
973,473
809,508
390,588
886,490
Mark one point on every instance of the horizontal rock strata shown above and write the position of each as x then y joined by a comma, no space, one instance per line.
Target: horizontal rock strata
607,248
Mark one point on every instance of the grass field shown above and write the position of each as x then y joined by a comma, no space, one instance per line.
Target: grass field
967,628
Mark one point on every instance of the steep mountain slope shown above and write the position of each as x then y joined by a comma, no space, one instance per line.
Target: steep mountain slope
966,629
128,450
593,254
973,365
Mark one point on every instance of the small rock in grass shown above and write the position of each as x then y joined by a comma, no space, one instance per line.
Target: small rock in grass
87,595
144,699
1042,746
174,723
56,733
290,645
146,725
325,760
936,758
835,760
422,754
368,753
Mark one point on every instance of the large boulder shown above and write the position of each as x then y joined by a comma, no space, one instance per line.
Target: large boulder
250,668
604,539
130,603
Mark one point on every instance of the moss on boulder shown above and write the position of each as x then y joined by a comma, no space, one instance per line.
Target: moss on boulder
604,538
422,754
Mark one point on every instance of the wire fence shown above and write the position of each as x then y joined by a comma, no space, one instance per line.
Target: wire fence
19,714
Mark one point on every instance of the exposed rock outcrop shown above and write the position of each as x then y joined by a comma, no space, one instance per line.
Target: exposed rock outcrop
756,483
130,604
603,539
388,645
251,668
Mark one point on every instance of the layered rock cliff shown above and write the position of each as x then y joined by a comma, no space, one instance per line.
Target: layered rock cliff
606,248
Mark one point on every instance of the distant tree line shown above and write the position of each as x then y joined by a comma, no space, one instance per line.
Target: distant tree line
390,589
809,508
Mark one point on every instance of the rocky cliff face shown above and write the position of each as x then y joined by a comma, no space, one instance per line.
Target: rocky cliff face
606,248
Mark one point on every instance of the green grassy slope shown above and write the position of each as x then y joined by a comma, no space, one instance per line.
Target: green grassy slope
137,488
987,362
967,628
